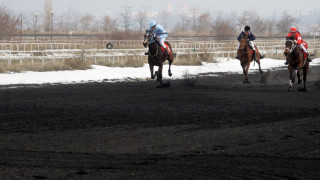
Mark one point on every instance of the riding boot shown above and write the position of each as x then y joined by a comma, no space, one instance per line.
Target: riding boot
308,58
146,53
254,55
286,63
166,52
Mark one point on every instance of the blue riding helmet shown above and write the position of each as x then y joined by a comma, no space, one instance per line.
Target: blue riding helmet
152,23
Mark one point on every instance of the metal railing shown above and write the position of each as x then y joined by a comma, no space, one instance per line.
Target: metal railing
13,51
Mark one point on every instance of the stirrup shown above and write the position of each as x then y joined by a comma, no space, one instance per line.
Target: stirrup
309,60
146,53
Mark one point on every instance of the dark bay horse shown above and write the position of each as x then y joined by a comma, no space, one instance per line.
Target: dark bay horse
246,56
296,62
156,56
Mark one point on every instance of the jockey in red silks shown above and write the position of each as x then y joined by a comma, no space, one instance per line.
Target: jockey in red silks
298,39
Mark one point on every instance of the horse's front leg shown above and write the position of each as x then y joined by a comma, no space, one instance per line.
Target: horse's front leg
294,73
246,80
299,80
258,61
151,70
305,72
169,71
291,77
159,75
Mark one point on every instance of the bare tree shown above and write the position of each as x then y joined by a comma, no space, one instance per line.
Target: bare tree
194,18
8,22
285,23
87,22
141,19
204,22
110,24
222,27
126,17
165,18
47,14
184,21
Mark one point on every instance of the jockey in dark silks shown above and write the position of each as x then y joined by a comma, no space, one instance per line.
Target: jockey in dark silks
251,38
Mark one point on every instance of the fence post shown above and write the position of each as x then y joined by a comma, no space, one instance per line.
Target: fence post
42,59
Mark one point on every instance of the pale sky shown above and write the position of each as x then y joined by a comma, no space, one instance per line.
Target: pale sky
113,8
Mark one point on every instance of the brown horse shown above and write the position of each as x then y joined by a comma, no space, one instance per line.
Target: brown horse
246,56
156,56
296,62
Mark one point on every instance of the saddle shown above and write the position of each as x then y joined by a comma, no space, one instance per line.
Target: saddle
257,51
165,43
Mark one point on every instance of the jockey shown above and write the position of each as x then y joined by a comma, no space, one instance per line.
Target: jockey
251,38
298,39
160,34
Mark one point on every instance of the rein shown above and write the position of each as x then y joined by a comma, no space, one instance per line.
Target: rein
154,54
152,40
292,47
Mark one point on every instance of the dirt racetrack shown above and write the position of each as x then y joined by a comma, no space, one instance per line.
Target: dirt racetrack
218,129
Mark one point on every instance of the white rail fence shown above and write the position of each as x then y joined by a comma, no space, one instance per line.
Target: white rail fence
11,51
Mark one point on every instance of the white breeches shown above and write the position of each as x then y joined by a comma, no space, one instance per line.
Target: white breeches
251,44
161,42
303,48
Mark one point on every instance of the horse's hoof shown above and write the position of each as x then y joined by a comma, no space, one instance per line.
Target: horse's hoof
170,74
299,81
302,90
261,72
152,77
246,81
289,88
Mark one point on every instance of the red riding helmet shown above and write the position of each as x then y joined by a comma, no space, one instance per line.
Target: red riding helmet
293,29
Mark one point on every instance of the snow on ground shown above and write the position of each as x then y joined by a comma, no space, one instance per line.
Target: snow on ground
112,74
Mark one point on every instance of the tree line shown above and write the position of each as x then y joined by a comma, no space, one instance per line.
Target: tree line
129,22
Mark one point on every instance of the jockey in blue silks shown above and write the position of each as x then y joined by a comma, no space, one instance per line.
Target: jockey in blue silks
160,33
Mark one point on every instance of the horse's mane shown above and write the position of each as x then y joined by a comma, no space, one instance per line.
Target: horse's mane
290,38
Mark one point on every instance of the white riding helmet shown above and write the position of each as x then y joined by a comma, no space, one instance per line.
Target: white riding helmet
152,23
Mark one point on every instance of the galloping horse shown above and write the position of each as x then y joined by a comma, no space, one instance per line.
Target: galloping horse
156,56
296,62
246,56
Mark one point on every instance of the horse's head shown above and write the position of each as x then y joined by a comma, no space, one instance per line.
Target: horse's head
290,45
243,42
148,38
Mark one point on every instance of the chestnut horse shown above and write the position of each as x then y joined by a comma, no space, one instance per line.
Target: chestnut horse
246,56
296,62
156,56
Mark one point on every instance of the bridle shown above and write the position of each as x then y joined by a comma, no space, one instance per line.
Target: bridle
293,46
246,43
150,41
